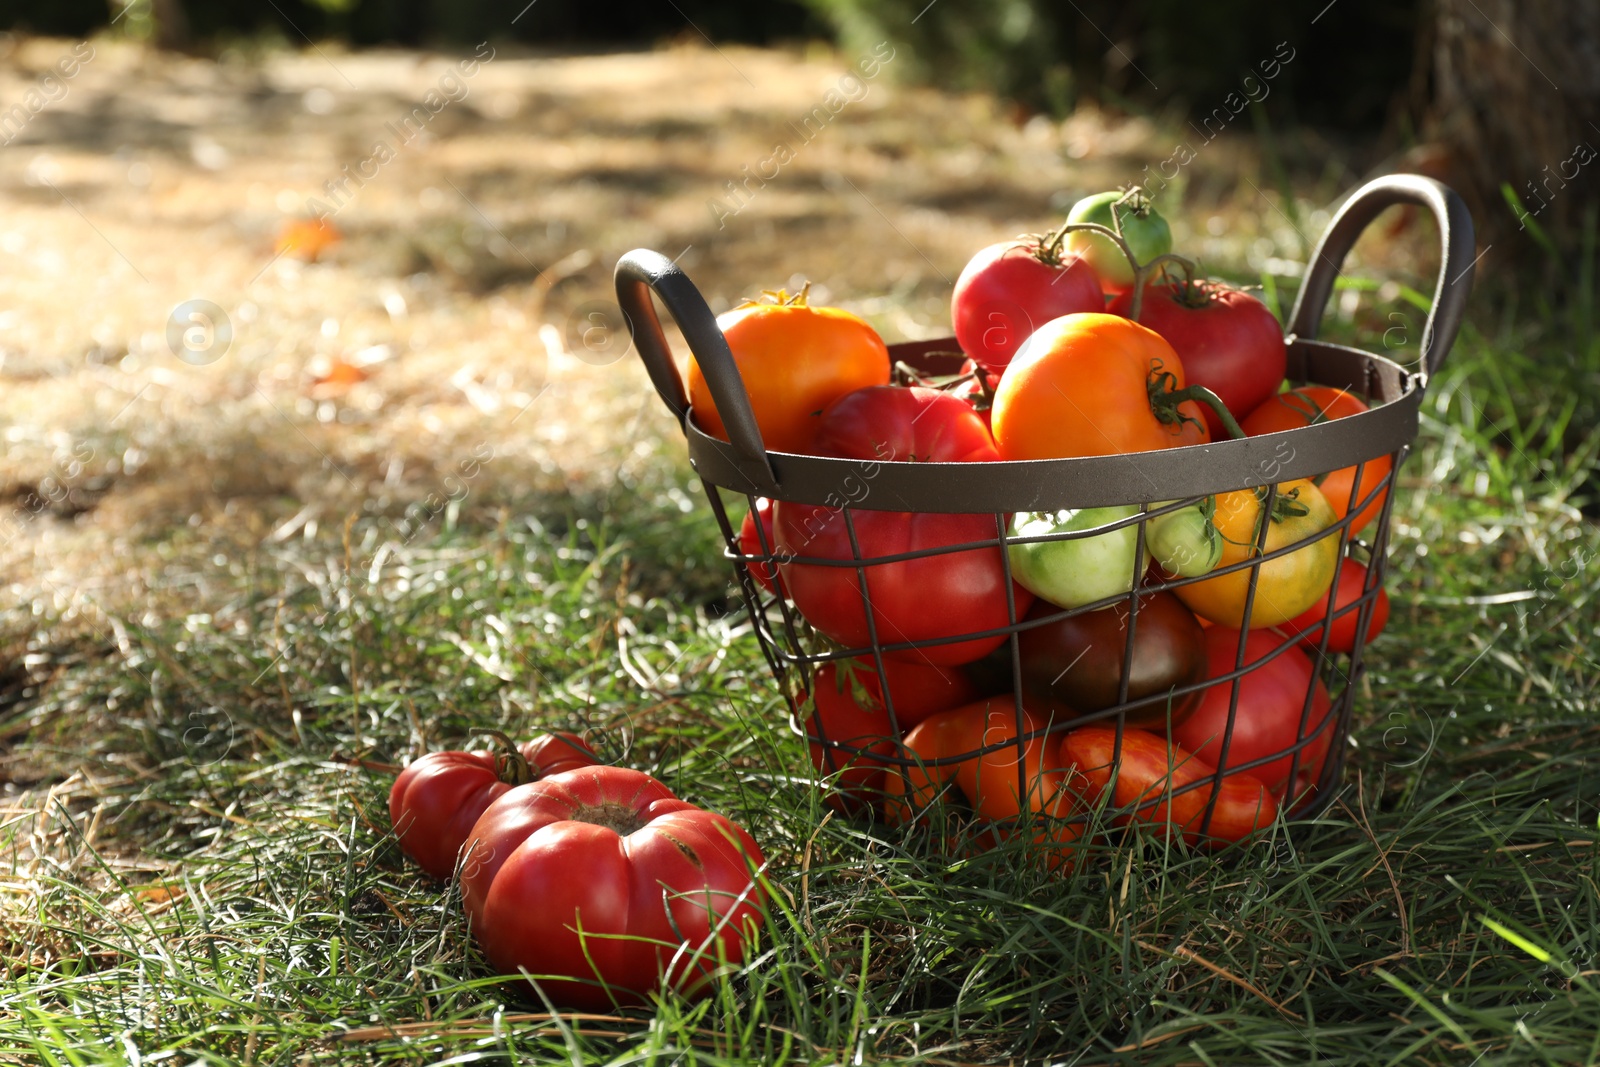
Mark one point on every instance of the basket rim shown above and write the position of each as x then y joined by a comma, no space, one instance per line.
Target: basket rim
1095,481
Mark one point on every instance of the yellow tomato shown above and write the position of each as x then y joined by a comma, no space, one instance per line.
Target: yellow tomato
1287,585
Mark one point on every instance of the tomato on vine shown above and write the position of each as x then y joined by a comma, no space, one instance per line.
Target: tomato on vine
1131,214
1010,289
1229,341
1096,385
1285,586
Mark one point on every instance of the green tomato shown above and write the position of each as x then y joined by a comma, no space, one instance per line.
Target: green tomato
1186,543
1072,573
1146,232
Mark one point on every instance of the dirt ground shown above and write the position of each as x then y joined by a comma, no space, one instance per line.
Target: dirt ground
483,199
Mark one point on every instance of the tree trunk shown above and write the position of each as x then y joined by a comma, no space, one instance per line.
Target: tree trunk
1515,101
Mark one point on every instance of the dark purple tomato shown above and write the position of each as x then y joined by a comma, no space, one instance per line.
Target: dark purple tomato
1073,666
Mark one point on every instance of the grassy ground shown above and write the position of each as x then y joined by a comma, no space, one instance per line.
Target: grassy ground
198,864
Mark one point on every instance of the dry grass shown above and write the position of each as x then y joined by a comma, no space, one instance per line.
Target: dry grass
159,179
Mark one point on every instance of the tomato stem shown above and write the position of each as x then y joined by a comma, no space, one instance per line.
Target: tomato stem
1165,398
781,298
1143,273
509,765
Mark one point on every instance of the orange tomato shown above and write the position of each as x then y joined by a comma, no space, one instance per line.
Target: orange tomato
1285,586
795,360
1080,386
989,782
1312,404
307,239
1151,767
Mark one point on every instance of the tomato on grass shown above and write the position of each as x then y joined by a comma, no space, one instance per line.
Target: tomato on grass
604,888
434,802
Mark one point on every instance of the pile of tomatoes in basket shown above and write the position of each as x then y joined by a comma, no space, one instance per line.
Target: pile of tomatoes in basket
1092,340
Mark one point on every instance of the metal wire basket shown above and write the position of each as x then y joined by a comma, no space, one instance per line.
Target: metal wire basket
1174,478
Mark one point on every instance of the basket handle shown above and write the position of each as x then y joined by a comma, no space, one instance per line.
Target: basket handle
641,272
1456,262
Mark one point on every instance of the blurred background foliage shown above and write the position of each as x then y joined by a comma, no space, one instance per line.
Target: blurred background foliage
1042,54
1492,96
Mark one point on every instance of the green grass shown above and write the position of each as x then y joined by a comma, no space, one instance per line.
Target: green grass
198,867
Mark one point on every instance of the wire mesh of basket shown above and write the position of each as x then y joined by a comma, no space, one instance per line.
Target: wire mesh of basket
831,500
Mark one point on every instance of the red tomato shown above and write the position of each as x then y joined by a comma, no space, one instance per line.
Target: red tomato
605,887
1311,404
1229,341
434,802
1081,386
919,690
842,715
1151,767
923,599
1342,637
1010,289
750,544
915,425
1268,721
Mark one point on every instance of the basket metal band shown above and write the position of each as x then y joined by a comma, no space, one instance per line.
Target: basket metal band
1098,481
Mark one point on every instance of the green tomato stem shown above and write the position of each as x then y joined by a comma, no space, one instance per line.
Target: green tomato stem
1164,401
1143,273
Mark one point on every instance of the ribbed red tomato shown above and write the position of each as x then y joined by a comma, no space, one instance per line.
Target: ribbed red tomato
434,802
604,888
